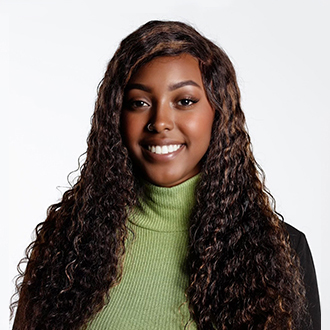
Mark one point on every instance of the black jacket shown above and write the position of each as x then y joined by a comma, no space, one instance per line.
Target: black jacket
299,243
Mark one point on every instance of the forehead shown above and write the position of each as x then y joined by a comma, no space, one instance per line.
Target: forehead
169,69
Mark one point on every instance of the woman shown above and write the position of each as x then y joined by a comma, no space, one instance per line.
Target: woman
170,224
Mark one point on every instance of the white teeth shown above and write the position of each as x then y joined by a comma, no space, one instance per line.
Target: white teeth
158,150
163,150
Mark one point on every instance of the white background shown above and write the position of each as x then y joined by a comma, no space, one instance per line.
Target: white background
54,53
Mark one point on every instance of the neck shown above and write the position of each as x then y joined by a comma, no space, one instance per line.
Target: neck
165,209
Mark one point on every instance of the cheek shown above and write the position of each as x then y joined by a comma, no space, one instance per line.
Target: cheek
129,130
200,129
128,138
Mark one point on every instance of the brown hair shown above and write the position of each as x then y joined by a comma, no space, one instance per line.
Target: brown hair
243,272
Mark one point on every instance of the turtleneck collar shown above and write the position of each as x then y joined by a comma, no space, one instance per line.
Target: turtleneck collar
165,209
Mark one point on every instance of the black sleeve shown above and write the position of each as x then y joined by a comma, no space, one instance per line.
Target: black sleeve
299,243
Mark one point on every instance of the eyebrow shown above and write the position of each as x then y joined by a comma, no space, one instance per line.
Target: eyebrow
171,87
182,84
138,86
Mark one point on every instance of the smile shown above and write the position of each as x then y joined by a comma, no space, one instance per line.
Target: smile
163,150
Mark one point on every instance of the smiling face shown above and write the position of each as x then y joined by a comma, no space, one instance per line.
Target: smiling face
167,120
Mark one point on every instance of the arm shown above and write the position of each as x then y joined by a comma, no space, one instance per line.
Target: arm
300,244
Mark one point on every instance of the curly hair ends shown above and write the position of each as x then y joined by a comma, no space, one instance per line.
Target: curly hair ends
243,272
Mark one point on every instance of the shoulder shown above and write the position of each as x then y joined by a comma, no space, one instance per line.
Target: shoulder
299,243
298,239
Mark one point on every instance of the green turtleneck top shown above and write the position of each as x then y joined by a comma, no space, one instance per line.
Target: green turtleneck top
151,294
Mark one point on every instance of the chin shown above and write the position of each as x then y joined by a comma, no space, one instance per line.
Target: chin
168,180
163,183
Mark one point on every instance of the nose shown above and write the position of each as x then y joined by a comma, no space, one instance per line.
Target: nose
162,118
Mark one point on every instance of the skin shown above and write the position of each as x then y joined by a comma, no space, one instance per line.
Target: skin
168,95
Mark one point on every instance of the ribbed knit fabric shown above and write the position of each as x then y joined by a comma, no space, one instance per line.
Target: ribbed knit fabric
154,277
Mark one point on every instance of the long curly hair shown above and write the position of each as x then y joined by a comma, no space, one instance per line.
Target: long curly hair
243,272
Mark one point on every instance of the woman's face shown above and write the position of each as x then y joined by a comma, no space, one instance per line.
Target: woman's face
167,120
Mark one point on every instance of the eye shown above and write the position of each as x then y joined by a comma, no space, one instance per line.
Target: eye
135,104
187,102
